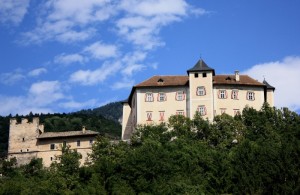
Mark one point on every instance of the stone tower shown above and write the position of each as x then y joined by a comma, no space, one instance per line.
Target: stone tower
22,142
201,90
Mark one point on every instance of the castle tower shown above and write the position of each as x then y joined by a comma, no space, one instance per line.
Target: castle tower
201,90
269,93
22,142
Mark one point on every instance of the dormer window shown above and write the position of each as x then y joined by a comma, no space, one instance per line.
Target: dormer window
160,81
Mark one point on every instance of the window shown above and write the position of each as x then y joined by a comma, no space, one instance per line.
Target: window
23,139
180,112
64,143
236,112
161,115
78,142
52,146
21,151
250,95
149,116
91,142
204,74
196,75
234,94
201,91
149,97
161,97
51,158
180,96
202,110
222,94
27,150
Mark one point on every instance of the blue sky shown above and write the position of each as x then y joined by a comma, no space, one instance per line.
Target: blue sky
67,55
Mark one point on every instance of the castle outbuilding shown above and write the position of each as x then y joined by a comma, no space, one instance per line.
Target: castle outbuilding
27,140
156,99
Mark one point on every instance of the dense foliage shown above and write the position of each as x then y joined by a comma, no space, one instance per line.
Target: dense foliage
112,111
255,153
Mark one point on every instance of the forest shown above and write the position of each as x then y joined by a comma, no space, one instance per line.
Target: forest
257,152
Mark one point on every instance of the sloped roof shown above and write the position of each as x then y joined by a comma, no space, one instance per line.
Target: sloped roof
164,81
200,66
230,80
268,85
67,134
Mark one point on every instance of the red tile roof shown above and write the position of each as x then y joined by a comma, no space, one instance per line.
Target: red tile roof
230,80
167,81
163,81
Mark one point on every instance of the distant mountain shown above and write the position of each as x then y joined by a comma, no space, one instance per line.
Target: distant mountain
112,111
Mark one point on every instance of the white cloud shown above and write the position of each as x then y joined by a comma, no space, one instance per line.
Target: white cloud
92,77
12,77
100,50
69,58
123,84
284,76
37,72
79,105
45,92
67,20
13,11
144,19
133,62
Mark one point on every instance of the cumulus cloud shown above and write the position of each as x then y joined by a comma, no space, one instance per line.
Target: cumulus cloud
284,76
92,77
13,11
133,63
69,58
37,72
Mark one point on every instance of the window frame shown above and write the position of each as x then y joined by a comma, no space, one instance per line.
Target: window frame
52,146
161,115
202,112
252,96
161,94
201,89
182,95
149,97
235,94
220,94
149,115
180,112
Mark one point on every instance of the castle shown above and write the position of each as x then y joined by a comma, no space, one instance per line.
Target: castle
28,140
156,99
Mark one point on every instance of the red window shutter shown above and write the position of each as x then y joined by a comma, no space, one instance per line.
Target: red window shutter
176,96
253,96
145,97
219,94
183,95
158,97
226,94
205,111
165,97
204,90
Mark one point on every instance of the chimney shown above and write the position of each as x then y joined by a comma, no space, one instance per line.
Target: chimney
237,76
83,129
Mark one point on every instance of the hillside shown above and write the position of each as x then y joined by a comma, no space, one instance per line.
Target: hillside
111,111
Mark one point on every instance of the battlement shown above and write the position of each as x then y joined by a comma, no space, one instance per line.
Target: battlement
35,120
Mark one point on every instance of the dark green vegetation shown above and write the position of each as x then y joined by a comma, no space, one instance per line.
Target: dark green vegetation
97,120
256,153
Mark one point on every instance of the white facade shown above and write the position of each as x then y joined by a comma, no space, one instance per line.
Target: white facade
156,99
